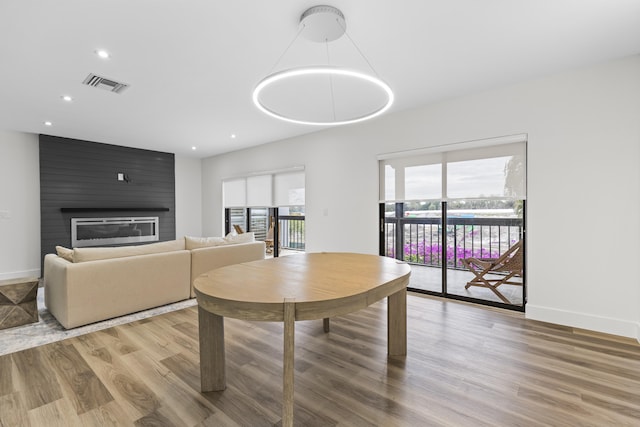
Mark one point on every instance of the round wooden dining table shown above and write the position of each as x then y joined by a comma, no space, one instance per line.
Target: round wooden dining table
297,287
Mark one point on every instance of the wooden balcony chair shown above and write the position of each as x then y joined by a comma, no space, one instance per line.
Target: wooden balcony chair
238,229
270,235
269,238
507,267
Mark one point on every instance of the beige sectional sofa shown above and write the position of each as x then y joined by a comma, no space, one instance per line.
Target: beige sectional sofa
86,285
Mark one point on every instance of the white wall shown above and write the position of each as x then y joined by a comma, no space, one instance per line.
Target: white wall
20,200
583,152
188,196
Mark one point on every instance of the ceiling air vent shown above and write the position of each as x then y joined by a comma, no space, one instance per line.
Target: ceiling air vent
104,83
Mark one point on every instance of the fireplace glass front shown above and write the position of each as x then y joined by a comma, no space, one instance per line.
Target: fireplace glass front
113,231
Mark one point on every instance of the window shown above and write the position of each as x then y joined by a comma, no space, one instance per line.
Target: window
286,188
271,205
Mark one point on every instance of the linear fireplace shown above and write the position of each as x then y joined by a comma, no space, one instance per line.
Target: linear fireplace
113,231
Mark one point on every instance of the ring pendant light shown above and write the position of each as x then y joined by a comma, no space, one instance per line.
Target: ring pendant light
323,24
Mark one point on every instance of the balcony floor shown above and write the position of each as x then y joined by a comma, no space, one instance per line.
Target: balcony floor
284,252
430,279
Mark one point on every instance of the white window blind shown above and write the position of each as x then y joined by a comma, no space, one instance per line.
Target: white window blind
234,193
492,168
259,191
280,188
289,189
423,182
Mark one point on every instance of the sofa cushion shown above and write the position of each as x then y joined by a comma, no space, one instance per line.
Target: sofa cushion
232,239
93,254
202,242
65,253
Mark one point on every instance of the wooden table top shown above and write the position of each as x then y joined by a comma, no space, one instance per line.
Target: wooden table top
322,285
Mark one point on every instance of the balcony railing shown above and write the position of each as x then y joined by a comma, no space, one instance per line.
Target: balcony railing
292,232
421,239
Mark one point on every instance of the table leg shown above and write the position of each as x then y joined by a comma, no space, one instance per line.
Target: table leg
212,363
289,339
325,324
397,323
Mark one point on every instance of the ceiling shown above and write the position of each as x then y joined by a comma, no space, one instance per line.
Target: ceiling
192,65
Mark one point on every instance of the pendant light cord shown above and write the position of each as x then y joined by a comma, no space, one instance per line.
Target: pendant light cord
287,49
333,98
358,49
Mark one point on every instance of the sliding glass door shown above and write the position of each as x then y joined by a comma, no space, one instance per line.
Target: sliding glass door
441,244
458,218
482,230
281,228
412,232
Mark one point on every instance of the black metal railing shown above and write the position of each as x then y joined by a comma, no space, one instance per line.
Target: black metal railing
419,240
292,229
292,232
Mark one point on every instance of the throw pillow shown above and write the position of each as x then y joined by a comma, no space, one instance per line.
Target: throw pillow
240,238
65,253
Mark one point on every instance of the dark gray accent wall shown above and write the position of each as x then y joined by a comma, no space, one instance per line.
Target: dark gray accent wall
80,179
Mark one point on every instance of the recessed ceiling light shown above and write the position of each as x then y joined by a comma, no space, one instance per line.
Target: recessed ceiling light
48,123
233,135
67,98
103,54
193,148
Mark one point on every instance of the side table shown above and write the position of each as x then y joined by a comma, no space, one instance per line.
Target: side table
18,305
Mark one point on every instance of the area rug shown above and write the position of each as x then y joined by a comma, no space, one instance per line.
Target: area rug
48,330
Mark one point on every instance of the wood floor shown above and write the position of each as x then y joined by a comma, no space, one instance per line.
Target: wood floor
466,365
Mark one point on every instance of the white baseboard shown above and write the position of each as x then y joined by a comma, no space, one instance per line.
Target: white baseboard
20,274
607,325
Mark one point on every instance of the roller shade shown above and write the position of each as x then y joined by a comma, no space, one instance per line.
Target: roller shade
259,191
289,189
286,188
493,168
234,193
